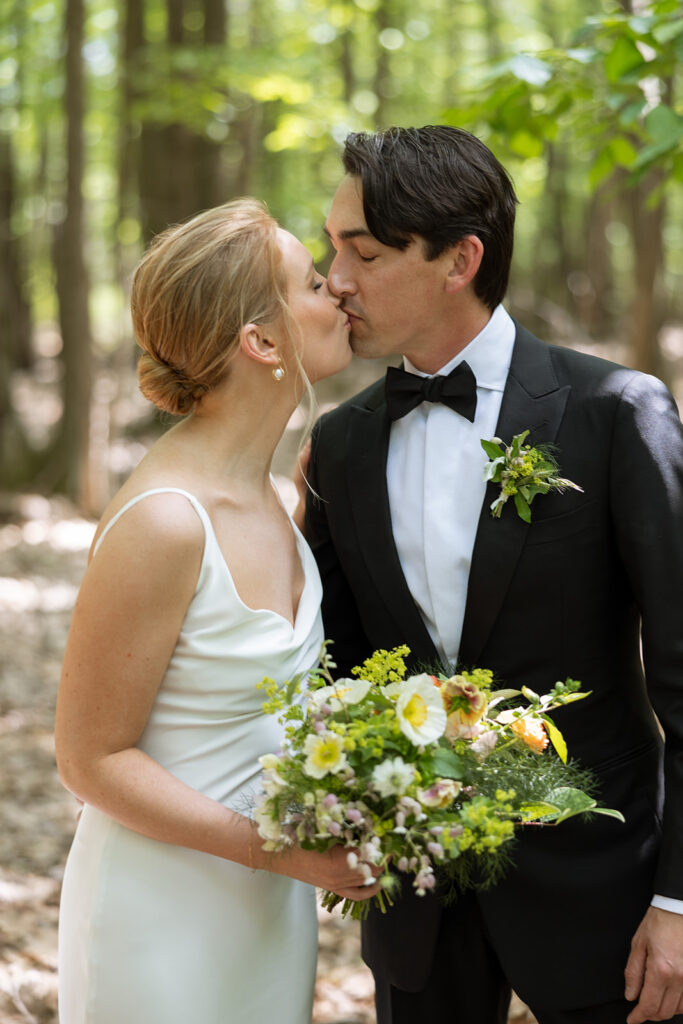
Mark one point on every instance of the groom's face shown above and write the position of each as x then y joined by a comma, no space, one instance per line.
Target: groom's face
394,298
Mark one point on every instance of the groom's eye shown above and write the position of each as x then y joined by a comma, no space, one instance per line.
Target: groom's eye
367,259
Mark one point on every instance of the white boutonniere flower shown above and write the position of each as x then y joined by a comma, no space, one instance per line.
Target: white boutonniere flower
522,472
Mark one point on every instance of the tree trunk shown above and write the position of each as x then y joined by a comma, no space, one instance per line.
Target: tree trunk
646,314
210,186
73,447
132,45
180,169
382,71
15,327
593,302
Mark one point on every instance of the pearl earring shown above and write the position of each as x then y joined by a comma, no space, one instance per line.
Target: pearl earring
279,372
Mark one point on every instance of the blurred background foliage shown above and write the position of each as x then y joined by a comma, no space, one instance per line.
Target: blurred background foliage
118,117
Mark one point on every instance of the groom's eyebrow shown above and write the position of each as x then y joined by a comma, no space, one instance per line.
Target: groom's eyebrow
350,233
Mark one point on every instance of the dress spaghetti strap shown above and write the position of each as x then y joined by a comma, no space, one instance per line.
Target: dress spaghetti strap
201,511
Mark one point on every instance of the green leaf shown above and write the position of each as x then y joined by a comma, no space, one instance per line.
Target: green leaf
631,113
649,154
504,695
622,151
556,738
493,451
292,687
668,31
530,69
447,764
532,812
610,812
571,802
622,58
522,506
663,124
583,54
517,442
524,144
601,169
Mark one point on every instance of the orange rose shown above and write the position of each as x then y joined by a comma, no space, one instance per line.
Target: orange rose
532,732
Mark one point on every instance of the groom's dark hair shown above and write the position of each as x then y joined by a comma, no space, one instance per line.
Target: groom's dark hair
440,183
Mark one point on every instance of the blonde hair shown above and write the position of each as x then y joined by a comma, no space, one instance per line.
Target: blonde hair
195,287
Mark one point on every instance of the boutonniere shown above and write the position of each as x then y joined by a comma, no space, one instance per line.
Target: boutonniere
522,472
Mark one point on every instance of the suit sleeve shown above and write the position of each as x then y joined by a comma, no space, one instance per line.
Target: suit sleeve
341,619
647,508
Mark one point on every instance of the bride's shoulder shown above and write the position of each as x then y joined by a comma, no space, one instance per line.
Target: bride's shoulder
142,520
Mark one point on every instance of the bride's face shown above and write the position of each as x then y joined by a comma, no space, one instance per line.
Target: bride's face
324,330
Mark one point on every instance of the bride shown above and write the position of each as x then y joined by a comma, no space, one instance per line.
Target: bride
198,586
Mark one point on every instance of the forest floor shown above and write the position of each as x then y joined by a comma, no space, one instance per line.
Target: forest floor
43,550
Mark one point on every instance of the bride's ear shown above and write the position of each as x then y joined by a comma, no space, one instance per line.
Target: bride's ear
257,342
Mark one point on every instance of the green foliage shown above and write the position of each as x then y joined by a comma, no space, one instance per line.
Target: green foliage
608,95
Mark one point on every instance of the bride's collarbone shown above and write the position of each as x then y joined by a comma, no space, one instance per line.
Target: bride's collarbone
262,555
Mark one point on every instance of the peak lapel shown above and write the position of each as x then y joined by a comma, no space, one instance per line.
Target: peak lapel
534,401
368,444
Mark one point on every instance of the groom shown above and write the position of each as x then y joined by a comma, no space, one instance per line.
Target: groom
408,551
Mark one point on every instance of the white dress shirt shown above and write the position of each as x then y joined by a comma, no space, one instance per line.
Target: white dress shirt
435,480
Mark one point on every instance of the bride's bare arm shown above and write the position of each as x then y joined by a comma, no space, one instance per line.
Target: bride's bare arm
125,625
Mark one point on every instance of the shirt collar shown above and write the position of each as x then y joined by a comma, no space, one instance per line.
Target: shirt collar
488,355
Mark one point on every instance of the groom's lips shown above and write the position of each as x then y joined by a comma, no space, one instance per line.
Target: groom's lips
351,315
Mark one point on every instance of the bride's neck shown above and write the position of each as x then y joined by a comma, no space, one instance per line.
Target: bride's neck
234,432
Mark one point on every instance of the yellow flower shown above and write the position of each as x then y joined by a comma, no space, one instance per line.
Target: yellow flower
420,710
325,755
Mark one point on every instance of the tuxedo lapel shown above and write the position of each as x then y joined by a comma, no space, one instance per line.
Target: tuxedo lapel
368,444
534,401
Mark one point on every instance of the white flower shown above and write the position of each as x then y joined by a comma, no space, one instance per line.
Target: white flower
271,780
343,692
392,776
392,690
267,827
420,710
484,743
325,755
441,793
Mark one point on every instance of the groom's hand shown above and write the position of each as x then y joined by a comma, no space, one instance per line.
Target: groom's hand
654,971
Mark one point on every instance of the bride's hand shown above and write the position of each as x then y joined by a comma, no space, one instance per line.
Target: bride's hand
299,478
331,870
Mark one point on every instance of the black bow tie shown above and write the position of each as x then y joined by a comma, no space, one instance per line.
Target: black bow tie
405,391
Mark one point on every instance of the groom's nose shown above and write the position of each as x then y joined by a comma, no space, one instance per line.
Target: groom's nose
339,280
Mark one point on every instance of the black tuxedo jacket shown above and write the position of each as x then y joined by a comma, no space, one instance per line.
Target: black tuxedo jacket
563,596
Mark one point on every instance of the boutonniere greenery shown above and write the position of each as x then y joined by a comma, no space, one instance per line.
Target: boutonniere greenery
522,472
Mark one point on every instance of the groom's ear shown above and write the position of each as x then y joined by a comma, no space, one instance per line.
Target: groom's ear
465,259
257,342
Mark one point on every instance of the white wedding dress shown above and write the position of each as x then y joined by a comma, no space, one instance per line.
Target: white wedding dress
152,933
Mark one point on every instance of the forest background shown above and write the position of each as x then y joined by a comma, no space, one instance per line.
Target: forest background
118,117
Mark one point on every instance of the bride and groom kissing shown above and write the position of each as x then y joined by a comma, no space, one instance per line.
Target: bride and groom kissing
171,910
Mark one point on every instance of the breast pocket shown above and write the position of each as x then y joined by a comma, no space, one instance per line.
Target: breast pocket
556,529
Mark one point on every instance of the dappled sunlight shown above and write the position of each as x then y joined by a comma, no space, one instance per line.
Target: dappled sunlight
23,595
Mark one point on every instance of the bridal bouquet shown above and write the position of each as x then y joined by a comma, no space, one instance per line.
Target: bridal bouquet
415,772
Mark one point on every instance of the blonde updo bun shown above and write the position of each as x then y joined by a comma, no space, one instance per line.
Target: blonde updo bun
195,287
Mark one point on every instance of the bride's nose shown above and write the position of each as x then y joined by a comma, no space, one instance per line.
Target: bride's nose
335,299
